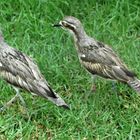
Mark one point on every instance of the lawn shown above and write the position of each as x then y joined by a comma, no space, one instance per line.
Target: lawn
107,114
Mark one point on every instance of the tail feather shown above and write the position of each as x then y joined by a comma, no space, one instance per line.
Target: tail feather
59,101
45,91
135,84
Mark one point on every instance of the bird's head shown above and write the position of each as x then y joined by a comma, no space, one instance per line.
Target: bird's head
71,24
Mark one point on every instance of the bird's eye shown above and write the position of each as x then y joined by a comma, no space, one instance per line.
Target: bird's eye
64,23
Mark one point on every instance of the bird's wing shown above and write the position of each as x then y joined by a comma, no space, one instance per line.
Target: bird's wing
100,54
101,59
20,70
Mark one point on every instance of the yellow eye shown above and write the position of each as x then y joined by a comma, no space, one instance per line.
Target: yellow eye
64,23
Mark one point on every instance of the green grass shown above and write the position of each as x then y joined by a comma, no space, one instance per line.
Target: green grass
107,114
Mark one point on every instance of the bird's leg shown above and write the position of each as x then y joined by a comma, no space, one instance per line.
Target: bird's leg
24,109
34,94
93,87
20,97
33,97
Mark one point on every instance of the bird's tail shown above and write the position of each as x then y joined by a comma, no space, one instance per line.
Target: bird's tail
135,84
58,101
44,90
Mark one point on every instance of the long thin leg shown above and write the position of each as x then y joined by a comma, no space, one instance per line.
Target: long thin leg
20,97
33,98
93,88
22,100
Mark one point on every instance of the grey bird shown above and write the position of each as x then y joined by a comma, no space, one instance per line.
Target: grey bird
97,57
22,72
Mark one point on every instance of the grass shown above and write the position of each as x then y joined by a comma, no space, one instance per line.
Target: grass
107,114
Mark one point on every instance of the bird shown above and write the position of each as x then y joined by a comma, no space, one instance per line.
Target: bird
98,58
22,72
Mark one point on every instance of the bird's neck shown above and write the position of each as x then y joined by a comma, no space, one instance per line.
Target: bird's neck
79,35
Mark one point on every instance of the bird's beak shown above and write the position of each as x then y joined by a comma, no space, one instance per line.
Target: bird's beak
57,25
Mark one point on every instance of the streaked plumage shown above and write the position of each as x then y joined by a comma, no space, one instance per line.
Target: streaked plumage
98,58
21,71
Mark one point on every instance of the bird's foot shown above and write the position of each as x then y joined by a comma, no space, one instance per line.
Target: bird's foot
9,103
